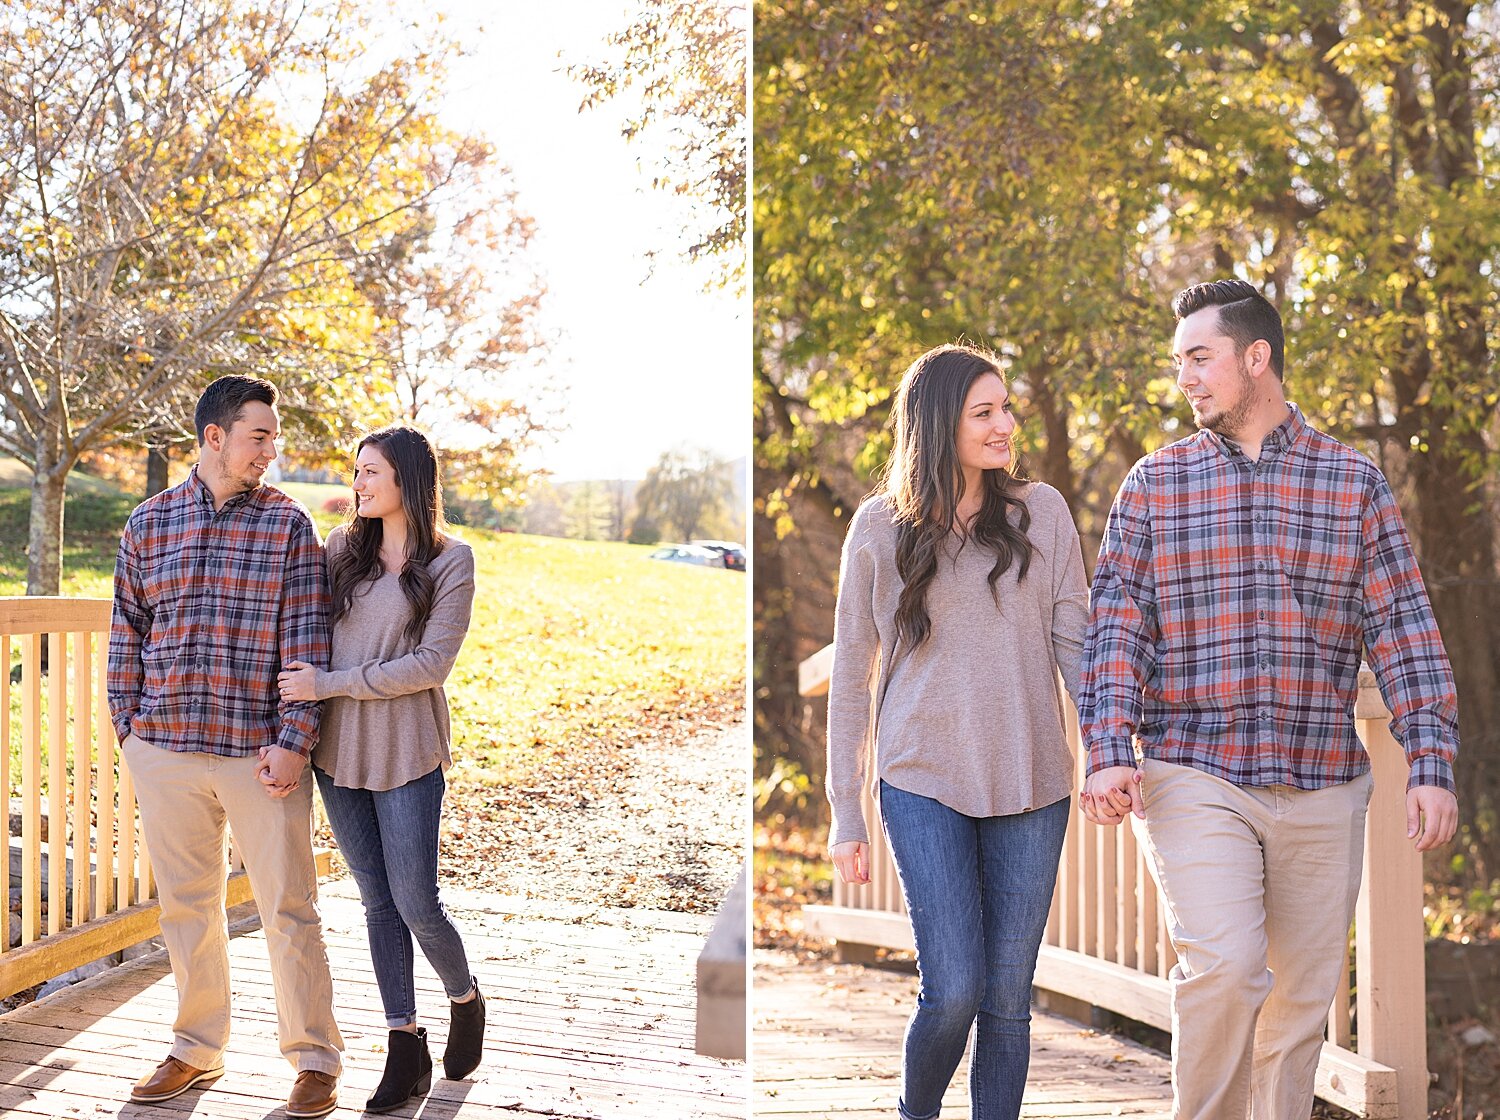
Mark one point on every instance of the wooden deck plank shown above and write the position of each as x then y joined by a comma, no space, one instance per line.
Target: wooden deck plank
590,1015
826,1042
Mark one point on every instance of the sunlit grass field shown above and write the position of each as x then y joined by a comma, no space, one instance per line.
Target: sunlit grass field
570,640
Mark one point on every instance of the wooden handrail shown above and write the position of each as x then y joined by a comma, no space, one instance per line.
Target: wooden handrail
68,751
1107,945
91,815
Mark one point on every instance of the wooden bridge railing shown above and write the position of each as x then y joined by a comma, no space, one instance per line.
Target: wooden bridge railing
1106,943
82,867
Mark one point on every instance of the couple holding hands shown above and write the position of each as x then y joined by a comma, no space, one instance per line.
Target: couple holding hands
1242,573
241,650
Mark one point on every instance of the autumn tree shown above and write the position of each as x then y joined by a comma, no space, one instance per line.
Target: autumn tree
685,60
455,299
189,189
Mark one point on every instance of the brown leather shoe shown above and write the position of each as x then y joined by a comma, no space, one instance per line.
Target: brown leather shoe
171,1079
314,1094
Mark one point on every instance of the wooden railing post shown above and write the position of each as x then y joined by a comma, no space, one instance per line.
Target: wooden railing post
1391,1011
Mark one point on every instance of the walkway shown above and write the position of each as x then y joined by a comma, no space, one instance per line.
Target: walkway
827,1043
591,1015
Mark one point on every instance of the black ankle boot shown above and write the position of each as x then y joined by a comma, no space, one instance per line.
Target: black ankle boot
408,1071
465,1036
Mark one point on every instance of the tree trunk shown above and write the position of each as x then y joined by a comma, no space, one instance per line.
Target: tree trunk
156,469
1455,534
45,535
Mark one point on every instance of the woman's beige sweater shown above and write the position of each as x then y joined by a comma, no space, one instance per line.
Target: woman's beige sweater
973,717
385,715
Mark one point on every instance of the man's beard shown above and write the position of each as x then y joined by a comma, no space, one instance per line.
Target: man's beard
240,482
1231,421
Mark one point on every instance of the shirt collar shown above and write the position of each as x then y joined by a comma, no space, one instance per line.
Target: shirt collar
1278,440
205,496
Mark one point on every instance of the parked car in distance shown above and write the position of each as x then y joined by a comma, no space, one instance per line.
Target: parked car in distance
688,554
733,555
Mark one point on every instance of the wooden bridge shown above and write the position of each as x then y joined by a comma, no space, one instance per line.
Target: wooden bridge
828,1045
591,1010
1106,944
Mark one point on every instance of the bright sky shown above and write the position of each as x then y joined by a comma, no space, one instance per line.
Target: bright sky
647,363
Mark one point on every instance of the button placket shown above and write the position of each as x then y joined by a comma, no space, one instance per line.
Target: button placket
1260,534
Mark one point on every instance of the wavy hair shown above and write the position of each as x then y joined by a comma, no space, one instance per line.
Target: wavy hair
414,461
924,484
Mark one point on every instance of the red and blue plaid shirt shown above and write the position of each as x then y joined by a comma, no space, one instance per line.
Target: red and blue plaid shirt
208,608
1230,605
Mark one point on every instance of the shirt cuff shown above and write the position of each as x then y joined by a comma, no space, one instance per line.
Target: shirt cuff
296,740
1431,770
1110,750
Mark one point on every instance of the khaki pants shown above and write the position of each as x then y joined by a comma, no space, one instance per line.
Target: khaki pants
1259,887
186,799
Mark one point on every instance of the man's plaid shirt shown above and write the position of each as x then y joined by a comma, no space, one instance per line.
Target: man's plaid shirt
208,608
1230,605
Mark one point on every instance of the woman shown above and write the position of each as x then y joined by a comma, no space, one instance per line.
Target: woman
402,591
961,594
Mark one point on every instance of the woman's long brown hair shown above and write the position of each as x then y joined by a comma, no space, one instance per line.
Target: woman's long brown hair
924,483
412,458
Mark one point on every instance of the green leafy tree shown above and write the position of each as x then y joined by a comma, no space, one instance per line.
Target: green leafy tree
687,492
1041,179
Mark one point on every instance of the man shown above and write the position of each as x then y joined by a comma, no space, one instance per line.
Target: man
219,583
1241,572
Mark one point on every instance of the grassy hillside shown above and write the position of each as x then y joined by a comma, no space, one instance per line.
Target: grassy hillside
572,642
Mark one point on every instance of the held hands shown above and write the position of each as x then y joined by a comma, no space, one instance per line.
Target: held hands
852,858
295,682
280,771
1111,793
1431,816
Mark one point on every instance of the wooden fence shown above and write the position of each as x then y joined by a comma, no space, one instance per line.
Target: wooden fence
1107,945
84,874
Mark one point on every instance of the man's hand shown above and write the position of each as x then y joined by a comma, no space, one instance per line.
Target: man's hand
852,859
1431,816
1110,793
280,771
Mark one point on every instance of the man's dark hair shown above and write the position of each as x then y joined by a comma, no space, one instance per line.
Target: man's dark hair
1244,315
223,402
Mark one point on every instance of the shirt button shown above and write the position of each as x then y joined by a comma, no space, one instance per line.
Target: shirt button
1261,614
1265,715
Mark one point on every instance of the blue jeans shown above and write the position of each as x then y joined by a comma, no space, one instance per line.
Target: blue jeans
978,890
389,838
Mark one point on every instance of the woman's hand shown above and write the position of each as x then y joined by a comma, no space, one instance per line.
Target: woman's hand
295,682
852,858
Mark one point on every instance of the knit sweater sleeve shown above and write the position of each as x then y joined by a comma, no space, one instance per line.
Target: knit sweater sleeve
429,664
856,650
1070,597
